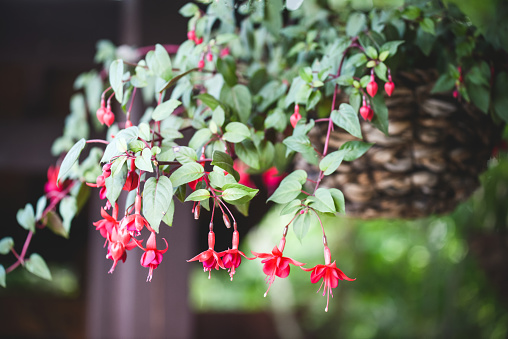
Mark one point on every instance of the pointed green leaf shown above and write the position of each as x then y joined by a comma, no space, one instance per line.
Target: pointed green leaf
240,100
168,217
338,200
301,225
293,5
36,265
187,173
55,224
306,74
185,155
298,143
322,201
68,209
227,67
129,135
248,153
161,63
115,78
165,109
144,160
292,207
236,132
224,161
380,119
6,244
2,276
41,205
287,191
189,10
331,162
208,100
26,217
200,138
237,194
114,185
355,149
347,118
157,196
144,131
198,195
298,175
70,159
117,165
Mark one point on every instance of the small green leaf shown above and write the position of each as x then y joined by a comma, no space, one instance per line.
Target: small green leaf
68,209
224,161
41,205
168,217
287,191
355,24
500,99
371,52
208,100
381,70
117,165
218,116
70,159
6,244
237,194
2,277
161,63
165,109
322,201
185,155
428,26
157,196
115,78
114,185
383,55
227,67
380,119
36,265
187,173
331,162
248,153
306,74
293,5
144,160
390,47
301,225
347,118
26,217
144,131
298,143
276,119
198,195
55,224
200,138
292,207
239,99
189,10
236,132
129,135
338,200
355,149
443,84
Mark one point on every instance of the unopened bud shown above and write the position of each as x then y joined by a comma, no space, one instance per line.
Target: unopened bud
226,220
197,211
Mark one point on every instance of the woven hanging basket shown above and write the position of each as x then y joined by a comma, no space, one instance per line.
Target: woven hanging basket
430,162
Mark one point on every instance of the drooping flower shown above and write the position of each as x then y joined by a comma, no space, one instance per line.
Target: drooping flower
245,179
330,274
271,179
152,256
119,241
210,259
296,116
52,187
106,225
275,264
135,222
232,258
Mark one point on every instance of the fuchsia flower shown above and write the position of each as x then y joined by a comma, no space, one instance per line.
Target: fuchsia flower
108,223
152,256
296,116
330,274
275,264
209,258
135,222
245,179
52,187
271,179
232,258
119,241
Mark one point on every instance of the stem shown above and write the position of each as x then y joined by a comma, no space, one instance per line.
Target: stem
98,141
320,222
22,255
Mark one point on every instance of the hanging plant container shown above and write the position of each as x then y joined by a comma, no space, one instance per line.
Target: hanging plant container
430,161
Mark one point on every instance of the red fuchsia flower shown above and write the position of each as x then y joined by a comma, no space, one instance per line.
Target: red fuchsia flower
296,116
135,222
330,274
191,35
271,179
132,181
275,264
201,63
108,223
100,112
389,86
119,241
245,179
198,41
209,57
109,117
224,52
128,124
232,258
372,85
210,259
52,187
152,256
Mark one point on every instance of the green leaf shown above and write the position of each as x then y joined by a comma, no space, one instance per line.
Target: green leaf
68,209
248,153
200,138
357,59
114,185
224,161
287,191
276,119
371,52
313,100
355,99
425,41
355,149
161,63
298,143
2,276
70,159
292,207
174,80
306,74
168,217
157,196
347,118
241,102
198,195
271,92
391,46
55,224
355,24
208,100
187,173
331,162
165,109
41,205
129,134
144,160
237,194
381,70
227,67
236,132
115,78
118,164
383,55
480,95
338,200
144,131
444,83
293,5
181,192
500,99
26,217
322,201
301,225
298,175
218,178
6,244
189,10
36,265
380,119
185,155
428,26
218,116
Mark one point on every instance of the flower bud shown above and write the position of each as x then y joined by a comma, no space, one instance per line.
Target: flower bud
372,88
209,57
366,112
389,87
198,41
197,211
109,117
201,64
191,35
128,124
225,218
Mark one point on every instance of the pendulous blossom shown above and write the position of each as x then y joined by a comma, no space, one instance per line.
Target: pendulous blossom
210,259
232,258
152,256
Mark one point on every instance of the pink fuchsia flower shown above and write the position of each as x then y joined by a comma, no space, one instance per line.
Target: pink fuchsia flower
330,274
108,223
245,179
152,256
135,222
296,116
119,241
232,258
210,259
275,264
51,187
271,179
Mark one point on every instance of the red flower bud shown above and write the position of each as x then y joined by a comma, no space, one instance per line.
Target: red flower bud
389,87
209,57
372,88
100,114
109,117
366,112
100,181
295,117
191,35
198,41
128,124
201,64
